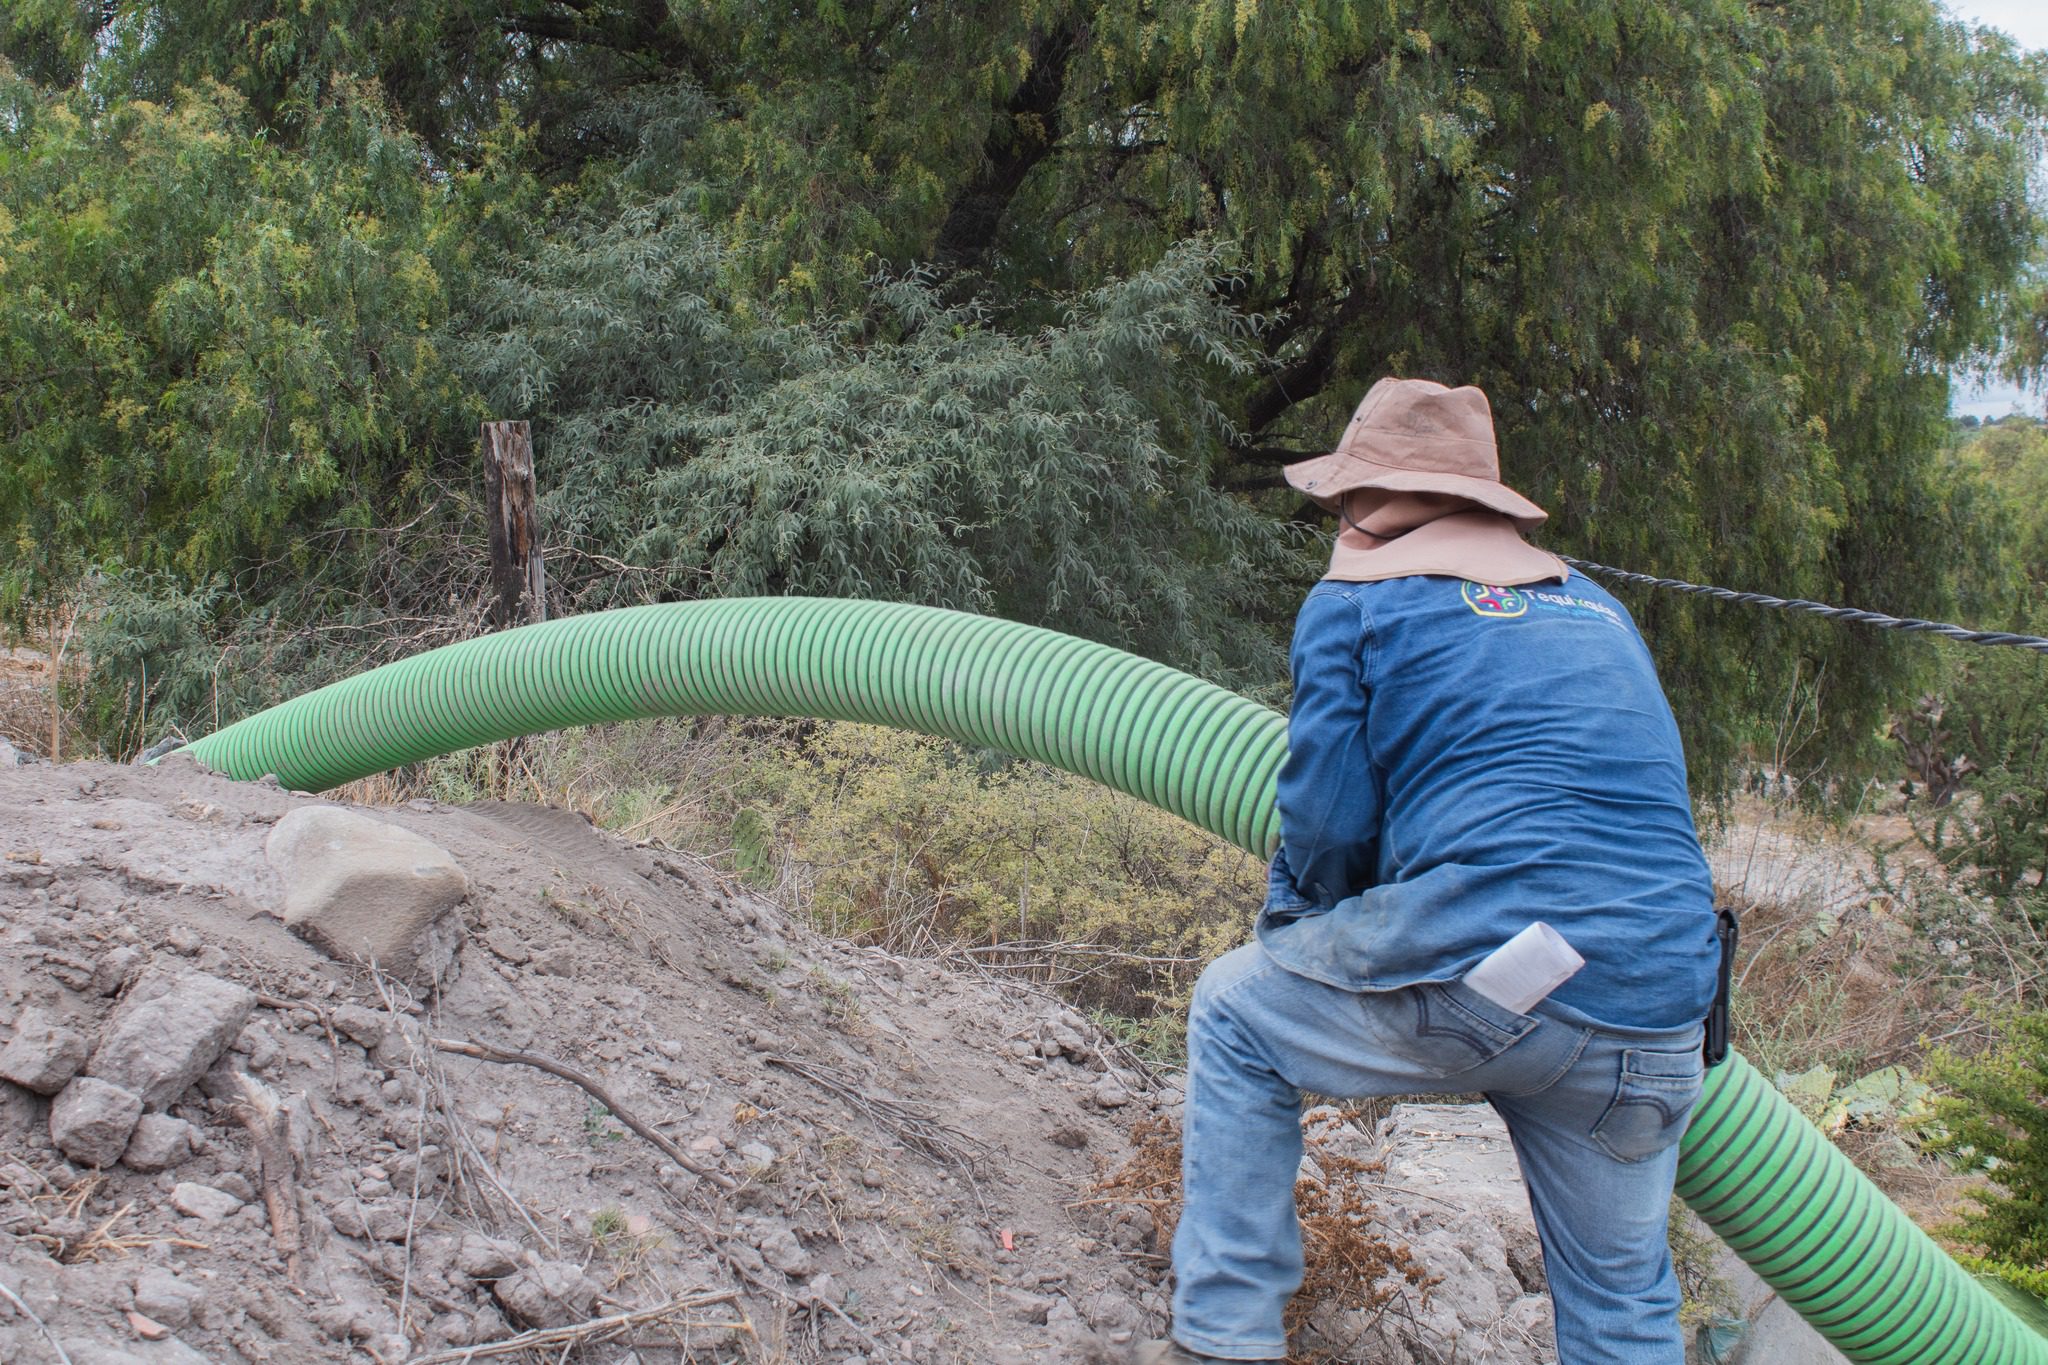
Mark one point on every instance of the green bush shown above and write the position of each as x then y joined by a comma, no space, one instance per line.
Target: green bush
917,843
920,845
1995,1120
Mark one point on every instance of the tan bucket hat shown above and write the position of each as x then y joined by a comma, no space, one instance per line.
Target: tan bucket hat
1417,436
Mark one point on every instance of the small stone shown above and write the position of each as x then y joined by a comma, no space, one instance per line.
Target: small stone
43,1055
1110,1093
669,1048
149,1329
779,1247
180,939
548,1294
486,1258
758,1154
165,1297
871,1177
203,1202
506,944
236,1184
159,1143
92,1119
116,968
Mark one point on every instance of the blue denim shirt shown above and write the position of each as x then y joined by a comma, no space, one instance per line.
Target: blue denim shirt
1464,760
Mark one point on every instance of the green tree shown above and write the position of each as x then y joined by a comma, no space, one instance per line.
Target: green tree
1997,699
1714,262
211,350
912,452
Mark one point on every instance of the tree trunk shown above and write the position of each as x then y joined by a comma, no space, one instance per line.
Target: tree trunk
516,569
518,576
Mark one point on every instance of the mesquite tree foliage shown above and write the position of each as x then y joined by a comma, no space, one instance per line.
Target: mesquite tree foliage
1714,262
913,451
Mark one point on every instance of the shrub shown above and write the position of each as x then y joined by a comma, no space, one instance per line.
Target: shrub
1995,1120
917,843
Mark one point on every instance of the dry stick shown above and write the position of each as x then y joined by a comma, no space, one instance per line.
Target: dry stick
10,1296
427,1068
269,1125
487,1053
593,1329
412,1209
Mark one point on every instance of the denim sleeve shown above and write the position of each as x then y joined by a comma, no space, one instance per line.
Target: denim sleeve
1329,804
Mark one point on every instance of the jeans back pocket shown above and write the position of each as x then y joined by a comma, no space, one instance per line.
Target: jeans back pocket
1447,1036
1652,1101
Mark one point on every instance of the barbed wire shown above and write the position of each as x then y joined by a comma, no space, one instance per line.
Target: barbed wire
1845,614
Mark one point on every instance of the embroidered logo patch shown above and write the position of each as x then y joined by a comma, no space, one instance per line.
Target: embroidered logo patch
1487,600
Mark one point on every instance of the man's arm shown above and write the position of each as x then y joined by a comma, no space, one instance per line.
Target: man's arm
1329,798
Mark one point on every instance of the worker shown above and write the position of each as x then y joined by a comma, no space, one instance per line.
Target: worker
1484,800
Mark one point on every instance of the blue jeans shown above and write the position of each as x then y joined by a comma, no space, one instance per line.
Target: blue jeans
1595,1114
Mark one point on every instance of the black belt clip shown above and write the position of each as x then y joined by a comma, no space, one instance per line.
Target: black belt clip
1727,932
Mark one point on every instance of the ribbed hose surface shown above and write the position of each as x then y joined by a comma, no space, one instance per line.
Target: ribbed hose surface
1833,1246
1760,1175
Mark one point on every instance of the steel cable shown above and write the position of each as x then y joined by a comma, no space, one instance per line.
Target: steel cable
1852,615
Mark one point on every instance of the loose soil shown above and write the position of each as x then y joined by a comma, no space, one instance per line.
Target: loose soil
889,1157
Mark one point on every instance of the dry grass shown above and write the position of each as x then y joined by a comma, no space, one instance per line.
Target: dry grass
1348,1266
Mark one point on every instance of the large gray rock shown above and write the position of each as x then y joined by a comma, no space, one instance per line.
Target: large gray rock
367,891
92,1119
43,1055
170,1029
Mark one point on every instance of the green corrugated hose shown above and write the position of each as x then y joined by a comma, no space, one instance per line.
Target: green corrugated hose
1758,1173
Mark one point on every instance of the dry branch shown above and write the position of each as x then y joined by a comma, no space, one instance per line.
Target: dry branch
30,1313
914,1125
592,1331
506,1057
269,1125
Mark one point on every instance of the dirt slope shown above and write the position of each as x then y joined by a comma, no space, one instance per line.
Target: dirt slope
888,1155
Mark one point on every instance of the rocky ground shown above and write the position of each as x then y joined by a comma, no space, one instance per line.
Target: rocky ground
289,1081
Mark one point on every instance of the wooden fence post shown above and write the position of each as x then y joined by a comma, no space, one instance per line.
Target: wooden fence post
517,572
518,576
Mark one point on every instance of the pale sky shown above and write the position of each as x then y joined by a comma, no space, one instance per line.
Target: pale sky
2027,22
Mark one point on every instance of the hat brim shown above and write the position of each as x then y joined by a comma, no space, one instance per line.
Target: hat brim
1327,478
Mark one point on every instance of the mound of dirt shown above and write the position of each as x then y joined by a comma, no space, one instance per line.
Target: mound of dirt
600,1101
